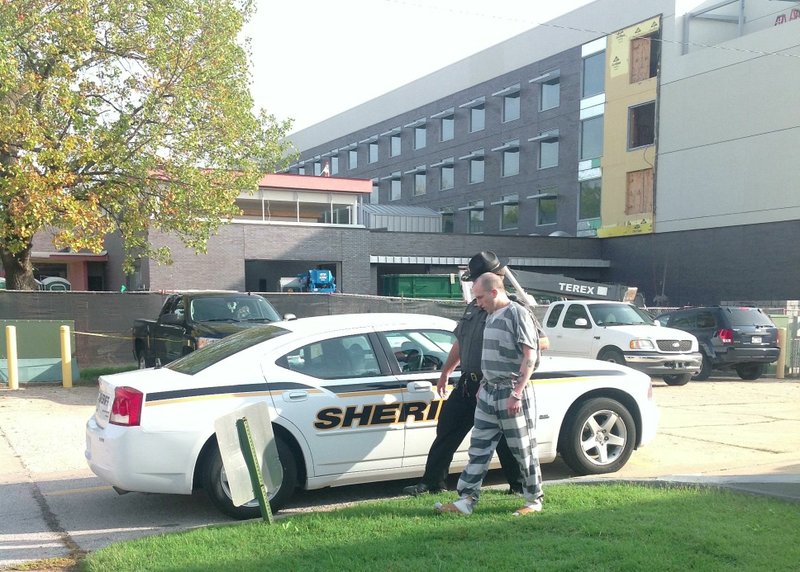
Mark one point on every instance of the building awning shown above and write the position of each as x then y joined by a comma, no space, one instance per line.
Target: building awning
512,262
475,102
546,76
101,256
444,112
511,89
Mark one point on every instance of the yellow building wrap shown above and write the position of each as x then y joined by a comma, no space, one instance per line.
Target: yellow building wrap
628,166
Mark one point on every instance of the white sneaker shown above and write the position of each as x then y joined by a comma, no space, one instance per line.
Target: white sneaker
461,506
535,506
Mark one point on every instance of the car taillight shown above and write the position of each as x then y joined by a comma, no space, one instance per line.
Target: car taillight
127,407
725,336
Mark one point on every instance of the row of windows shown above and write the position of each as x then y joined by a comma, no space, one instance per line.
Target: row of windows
547,156
508,208
644,57
549,90
641,133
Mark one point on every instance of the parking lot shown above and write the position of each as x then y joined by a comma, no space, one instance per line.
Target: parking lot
743,434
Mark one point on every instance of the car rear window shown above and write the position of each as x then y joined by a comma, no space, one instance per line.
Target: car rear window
748,317
199,360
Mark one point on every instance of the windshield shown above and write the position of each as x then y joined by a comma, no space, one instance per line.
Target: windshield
619,315
199,360
748,317
232,308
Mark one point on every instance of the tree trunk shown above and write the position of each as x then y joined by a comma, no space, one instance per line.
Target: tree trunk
19,269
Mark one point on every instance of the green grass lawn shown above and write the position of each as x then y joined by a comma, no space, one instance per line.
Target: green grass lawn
89,375
583,527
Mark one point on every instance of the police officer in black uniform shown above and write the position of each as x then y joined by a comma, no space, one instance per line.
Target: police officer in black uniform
458,411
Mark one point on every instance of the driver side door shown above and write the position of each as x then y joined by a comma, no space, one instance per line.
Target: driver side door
416,357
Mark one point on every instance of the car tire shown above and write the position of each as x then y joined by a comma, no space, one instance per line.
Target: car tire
612,355
215,484
598,419
750,371
677,379
705,370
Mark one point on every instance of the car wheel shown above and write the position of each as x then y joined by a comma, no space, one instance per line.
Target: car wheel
599,438
215,482
750,371
677,379
612,355
705,370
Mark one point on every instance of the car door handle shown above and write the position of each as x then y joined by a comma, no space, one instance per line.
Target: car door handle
295,395
420,386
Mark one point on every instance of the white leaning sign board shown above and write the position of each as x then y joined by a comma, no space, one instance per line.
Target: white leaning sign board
258,419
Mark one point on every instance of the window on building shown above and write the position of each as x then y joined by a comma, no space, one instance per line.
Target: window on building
510,165
352,159
420,183
511,107
420,137
317,168
509,212
448,220
394,145
550,93
645,56
639,193
373,152
447,177
301,170
475,225
476,169
592,138
594,74
642,125
335,165
548,151
395,187
375,195
477,118
448,126
589,199
547,209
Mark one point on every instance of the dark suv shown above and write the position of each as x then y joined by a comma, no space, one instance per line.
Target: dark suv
744,339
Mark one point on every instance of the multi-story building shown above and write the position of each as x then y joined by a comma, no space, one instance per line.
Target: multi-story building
670,121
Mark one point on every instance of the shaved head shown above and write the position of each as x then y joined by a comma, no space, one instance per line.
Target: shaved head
489,292
490,281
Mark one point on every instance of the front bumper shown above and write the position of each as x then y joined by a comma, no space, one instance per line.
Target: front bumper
657,364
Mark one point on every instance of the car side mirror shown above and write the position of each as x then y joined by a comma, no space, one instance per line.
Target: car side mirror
657,322
581,323
288,317
172,319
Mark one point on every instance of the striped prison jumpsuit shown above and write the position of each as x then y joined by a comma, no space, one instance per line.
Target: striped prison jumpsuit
505,332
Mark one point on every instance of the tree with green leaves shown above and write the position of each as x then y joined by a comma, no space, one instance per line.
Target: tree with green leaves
118,116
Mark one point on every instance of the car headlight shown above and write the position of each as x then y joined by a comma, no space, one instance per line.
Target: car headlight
202,342
642,344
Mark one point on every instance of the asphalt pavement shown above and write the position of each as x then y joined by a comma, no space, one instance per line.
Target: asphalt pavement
744,436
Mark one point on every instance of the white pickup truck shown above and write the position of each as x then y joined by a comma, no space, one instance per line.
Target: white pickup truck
622,333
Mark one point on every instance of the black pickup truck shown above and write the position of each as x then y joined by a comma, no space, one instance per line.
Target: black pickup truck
191,320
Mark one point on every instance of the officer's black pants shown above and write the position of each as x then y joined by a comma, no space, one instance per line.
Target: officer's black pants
455,420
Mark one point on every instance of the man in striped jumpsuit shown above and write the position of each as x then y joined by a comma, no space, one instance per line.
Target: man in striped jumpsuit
506,406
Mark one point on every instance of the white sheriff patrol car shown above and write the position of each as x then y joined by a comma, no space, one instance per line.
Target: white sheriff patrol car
352,399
